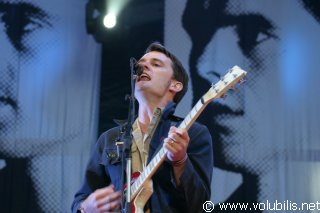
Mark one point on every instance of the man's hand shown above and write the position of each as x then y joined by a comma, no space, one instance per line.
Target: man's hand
177,143
102,200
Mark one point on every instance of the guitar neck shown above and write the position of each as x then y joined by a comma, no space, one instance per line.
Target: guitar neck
158,159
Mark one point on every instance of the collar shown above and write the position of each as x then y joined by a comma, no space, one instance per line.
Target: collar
168,111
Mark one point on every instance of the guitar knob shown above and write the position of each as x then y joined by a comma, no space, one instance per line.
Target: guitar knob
242,81
223,96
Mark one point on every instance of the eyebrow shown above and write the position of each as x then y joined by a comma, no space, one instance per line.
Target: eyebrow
253,21
152,59
15,16
254,18
25,7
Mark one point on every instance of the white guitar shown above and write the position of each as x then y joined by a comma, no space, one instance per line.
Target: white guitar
141,189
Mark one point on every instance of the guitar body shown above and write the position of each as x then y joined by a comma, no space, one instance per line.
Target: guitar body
142,196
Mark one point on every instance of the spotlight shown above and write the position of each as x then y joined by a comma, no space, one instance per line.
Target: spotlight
110,20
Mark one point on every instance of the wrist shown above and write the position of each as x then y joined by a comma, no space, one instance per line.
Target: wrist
179,162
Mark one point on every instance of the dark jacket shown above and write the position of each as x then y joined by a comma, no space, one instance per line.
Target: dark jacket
104,168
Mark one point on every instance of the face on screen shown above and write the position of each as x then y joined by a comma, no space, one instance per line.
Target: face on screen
273,46
36,68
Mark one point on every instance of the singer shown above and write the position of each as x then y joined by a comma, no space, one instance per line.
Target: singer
182,182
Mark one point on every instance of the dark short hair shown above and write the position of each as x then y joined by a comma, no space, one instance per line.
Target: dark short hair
179,73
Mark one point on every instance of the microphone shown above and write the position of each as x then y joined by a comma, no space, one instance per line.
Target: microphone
136,69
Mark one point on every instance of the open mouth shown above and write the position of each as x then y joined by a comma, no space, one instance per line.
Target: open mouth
144,77
218,113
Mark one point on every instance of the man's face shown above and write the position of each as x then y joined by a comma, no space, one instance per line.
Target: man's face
157,75
279,56
36,94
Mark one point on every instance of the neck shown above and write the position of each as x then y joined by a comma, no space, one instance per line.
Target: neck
145,112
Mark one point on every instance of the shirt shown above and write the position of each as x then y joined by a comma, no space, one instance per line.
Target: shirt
140,143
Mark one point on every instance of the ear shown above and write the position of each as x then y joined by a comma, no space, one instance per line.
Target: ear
176,86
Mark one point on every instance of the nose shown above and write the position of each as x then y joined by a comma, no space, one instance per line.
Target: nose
8,57
7,49
145,65
220,54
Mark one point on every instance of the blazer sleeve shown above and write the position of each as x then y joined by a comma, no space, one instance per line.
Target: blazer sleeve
95,175
195,181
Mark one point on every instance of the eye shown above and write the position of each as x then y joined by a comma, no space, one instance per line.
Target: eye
252,31
156,64
21,19
32,23
264,36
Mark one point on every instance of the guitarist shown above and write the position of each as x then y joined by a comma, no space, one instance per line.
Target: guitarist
182,182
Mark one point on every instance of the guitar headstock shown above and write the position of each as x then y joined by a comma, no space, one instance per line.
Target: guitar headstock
232,77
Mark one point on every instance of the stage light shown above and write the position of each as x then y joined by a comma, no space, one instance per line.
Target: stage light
94,11
110,20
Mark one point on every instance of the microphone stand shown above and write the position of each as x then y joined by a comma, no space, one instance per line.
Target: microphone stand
126,152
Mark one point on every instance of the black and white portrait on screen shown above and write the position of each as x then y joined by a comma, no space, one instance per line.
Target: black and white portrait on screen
266,142
48,102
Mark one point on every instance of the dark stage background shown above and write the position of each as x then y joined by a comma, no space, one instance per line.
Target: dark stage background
61,87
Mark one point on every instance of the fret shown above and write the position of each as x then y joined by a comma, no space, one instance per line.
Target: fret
162,152
183,124
157,158
137,185
139,180
187,119
147,170
190,117
151,164
199,104
134,189
193,112
142,179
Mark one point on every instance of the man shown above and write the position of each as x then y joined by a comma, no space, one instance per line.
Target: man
258,129
46,93
182,183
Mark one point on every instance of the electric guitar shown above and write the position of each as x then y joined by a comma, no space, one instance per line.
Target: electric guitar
141,188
